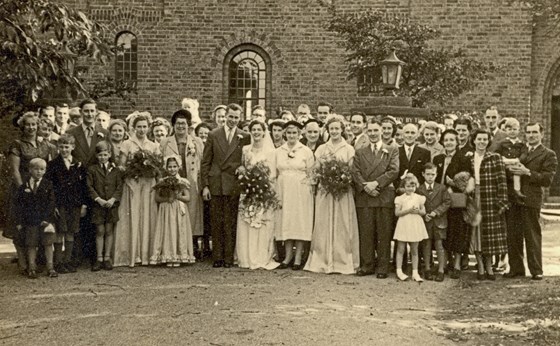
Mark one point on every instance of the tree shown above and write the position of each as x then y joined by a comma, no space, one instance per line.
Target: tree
41,42
431,75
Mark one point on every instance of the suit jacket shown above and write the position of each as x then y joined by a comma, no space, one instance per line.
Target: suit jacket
221,159
542,163
104,185
363,141
84,153
415,165
32,208
437,201
69,185
383,168
459,163
497,139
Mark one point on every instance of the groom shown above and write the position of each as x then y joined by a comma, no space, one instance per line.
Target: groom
220,161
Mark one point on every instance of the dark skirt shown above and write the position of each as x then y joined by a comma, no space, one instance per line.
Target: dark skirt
458,232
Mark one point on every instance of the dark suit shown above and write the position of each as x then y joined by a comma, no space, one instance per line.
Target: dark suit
438,201
104,185
415,165
83,152
523,216
375,214
219,163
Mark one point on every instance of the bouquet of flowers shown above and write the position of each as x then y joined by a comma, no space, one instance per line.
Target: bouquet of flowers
170,186
463,183
143,164
334,176
257,194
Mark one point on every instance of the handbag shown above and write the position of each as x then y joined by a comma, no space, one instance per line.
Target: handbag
458,200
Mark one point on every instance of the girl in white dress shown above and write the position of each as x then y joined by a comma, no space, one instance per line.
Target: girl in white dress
409,208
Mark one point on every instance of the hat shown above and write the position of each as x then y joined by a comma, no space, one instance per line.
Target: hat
293,123
313,121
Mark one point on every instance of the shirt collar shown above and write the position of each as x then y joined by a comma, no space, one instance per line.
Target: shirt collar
428,185
84,127
533,147
406,146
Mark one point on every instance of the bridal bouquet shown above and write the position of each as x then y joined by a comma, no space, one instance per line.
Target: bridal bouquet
170,186
464,183
143,164
333,176
257,194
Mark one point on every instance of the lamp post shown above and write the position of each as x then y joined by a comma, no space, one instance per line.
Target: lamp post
391,70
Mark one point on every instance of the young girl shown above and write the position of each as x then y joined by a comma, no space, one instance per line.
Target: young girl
173,236
409,208
105,186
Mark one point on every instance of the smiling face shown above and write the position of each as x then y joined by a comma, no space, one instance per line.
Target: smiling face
117,133
335,130
292,134
49,113
358,125
232,118
103,156
322,113
410,133
62,115
181,126
312,132
172,167
141,129
512,131
160,132
89,113
220,117
257,132
450,142
203,134
409,187
387,130
374,132
259,114
65,149
30,126
430,136
481,141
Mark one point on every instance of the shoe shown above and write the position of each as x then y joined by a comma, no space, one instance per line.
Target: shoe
32,274
228,265
52,273
96,266
362,272
464,267
107,265
24,272
491,277
519,194
512,275
218,264
297,267
440,277
455,274
480,277
71,268
283,266
417,278
382,276
537,277
428,275
169,265
61,269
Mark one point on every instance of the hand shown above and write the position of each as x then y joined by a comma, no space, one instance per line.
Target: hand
520,170
427,218
83,211
373,193
372,185
110,203
206,195
44,224
449,181
19,227
101,201
414,210
240,170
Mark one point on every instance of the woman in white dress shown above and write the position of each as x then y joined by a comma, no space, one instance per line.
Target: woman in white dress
255,241
294,223
138,208
335,243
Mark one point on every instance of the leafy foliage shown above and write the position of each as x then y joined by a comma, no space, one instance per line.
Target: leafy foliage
431,75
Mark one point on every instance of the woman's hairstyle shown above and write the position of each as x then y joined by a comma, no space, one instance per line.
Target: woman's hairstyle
159,121
243,123
257,122
141,117
463,121
46,121
102,146
201,125
390,120
447,132
27,115
336,119
181,114
119,122
288,112
169,158
277,122
293,123
66,138
310,121
478,132
409,177
431,125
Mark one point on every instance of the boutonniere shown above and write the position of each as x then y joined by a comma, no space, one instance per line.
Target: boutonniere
39,139
239,136
469,154
292,153
191,149
77,164
100,135
385,151
111,166
27,190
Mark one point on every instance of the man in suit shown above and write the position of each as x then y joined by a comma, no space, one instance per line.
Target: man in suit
220,161
358,122
412,158
324,109
491,120
375,168
537,169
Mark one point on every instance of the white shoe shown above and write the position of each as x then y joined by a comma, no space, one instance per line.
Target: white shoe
416,277
402,276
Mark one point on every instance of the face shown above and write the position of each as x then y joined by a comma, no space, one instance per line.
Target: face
277,132
491,120
103,120
410,187
117,133
62,115
312,132
348,131
288,116
387,130
481,141
259,115
399,136
220,117
410,133
533,135
463,131
430,136
141,129
357,124
512,131
450,142
322,113
257,132
65,150
448,123
30,126
103,156
374,132
303,114
49,113
335,130
203,134
292,134
44,130
172,167
160,132
89,113
181,126
430,175
232,118
77,119
38,171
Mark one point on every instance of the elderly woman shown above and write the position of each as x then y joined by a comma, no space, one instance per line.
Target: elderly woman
489,237
161,128
190,149
117,135
448,164
29,146
311,138
294,223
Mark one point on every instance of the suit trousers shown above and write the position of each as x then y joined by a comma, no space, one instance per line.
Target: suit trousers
375,226
523,225
223,223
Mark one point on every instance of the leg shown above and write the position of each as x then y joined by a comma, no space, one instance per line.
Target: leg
217,225
440,252
366,235
99,241
299,252
230,227
383,229
109,227
427,249
69,247
289,250
480,265
415,260
32,258
533,240
399,259
515,226
58,254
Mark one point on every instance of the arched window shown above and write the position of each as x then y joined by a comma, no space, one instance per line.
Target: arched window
247,68
126,61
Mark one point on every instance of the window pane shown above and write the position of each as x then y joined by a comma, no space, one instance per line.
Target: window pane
126,60
247,79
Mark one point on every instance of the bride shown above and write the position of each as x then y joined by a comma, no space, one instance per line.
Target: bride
255,241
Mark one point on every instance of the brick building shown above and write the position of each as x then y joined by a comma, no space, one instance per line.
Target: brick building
277,53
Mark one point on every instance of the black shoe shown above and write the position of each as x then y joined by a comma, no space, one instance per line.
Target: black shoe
491,277
71,268
512,275
96,266
228,265
32,274
465,266
480,277
297,267
537,277
455,274
428,275
362,272
52,273
440,277
382,276
61,269
218,264
283,266
107,265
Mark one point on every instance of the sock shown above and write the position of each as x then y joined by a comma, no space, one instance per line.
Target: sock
58,255
69,246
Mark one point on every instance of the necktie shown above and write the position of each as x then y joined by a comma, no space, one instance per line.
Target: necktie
230,135
354,141
430,189
35,185
408,153
374,149
104,168
89,134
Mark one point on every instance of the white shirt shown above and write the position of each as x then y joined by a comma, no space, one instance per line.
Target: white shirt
477,162
67,161
376,146
32,182
228,130
429,186
406,148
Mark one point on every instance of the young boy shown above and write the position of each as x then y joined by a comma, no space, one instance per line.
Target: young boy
68,177
437,202
510,149
34,213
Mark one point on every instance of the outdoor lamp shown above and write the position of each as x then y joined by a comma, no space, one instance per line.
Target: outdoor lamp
391,69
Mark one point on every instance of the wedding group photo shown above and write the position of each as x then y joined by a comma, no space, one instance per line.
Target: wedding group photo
169,163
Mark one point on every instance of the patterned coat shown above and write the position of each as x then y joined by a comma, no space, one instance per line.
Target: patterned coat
493,203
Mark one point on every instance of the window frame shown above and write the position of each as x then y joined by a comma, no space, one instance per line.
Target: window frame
120,71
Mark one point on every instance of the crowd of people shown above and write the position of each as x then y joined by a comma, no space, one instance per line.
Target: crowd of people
145,191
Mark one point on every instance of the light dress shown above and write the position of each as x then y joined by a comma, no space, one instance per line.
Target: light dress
173,235
335,244
255,243
137,213
295,219
410,227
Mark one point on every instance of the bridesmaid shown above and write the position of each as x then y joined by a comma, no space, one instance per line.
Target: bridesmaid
138,209
335,243
295,219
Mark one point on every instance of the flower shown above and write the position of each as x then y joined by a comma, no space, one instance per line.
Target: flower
27,190
239,136
191,149
100,135
385,151
469,153
292,154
